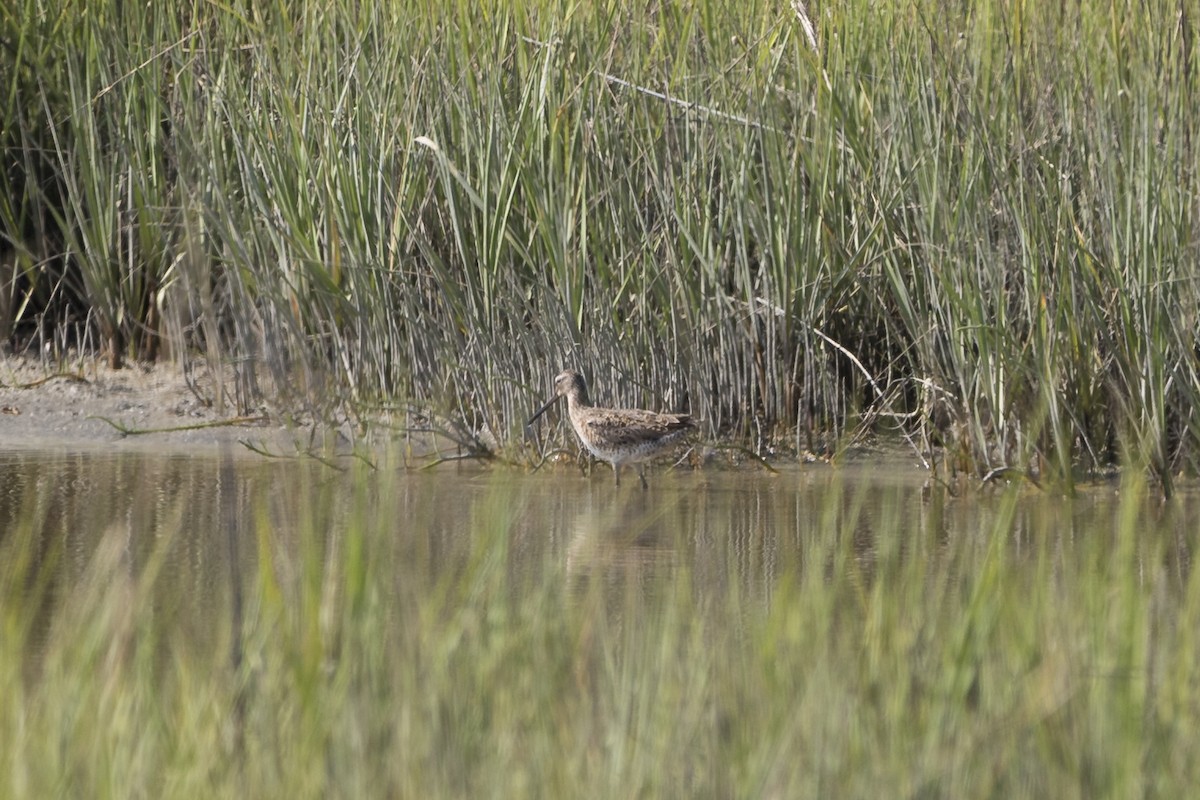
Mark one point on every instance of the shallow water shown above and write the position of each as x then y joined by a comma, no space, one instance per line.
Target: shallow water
193,519
830,631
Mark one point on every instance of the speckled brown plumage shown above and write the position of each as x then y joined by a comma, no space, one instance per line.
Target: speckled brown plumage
616,435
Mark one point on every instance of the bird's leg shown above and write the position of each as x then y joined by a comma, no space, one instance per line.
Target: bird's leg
616,474
641,468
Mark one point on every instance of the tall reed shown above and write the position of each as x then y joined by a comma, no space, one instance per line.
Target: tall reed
973,225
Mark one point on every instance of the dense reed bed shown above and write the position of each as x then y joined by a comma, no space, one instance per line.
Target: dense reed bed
975,223
349,639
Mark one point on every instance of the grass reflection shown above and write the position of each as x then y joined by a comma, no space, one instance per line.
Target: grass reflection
816,634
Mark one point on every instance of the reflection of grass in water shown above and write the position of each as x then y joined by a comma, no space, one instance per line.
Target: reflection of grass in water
383,661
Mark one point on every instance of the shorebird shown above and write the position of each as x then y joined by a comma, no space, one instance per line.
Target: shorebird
616,435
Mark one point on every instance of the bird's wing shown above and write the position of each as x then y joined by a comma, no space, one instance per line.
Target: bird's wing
627,427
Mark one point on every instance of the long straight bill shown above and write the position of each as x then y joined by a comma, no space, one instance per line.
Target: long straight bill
542,410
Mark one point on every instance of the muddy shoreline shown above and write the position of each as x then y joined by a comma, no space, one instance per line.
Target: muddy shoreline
86,404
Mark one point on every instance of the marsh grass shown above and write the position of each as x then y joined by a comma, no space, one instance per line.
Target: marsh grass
975,224
880,642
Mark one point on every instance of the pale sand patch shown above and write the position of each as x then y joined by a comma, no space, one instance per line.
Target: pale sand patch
56,405
48,406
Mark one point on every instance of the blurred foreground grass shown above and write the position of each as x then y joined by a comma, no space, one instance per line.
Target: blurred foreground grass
879,643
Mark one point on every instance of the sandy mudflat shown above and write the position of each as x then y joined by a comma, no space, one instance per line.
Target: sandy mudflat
55,405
